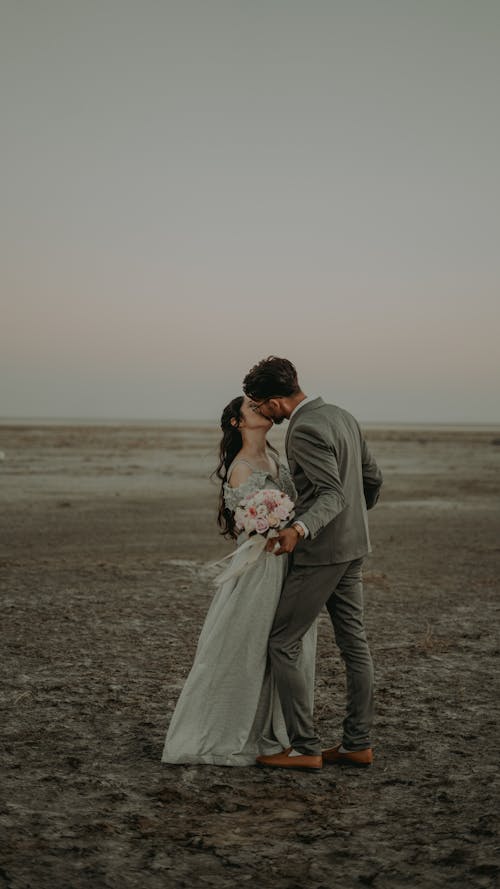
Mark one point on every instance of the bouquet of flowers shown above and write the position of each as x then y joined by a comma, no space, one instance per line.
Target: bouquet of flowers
260,514
263,511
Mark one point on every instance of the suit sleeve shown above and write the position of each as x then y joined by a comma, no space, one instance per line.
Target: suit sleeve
319,463
372,476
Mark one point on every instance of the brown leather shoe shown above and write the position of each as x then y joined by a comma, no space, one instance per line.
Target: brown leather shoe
283,760
360,759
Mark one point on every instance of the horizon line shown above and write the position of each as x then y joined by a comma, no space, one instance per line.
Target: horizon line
137,421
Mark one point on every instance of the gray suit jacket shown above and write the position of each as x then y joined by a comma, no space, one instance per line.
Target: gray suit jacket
336,478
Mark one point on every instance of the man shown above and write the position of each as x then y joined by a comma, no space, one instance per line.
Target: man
337,480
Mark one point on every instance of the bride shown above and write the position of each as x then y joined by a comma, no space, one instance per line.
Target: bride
229,711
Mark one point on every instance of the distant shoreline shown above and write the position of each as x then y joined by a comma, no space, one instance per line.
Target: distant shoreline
130,421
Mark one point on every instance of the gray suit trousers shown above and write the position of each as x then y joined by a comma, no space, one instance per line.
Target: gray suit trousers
306,590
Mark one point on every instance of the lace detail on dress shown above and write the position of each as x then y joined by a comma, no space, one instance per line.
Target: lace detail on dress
255,482
287,484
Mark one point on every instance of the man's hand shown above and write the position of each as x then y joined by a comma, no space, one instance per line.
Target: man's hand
287,540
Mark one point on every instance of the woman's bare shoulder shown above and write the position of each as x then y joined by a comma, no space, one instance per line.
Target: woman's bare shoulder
240,473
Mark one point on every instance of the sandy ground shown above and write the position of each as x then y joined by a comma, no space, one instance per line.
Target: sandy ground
106,533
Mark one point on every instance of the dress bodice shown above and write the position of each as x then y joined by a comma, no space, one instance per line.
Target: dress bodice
256,481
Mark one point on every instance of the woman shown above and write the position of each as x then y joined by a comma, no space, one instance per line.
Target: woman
228,711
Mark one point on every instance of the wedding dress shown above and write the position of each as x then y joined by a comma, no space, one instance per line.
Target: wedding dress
229,710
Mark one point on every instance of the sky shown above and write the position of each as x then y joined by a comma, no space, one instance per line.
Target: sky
190,186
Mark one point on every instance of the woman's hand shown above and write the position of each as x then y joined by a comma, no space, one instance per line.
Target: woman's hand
285,541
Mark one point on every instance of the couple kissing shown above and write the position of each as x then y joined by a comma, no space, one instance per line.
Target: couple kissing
248,699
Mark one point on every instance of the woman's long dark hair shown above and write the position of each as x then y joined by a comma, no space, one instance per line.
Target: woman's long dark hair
230,445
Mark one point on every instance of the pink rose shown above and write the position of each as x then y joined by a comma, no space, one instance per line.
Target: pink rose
282,511
261,524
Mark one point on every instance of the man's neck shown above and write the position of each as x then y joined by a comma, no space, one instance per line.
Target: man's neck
289,404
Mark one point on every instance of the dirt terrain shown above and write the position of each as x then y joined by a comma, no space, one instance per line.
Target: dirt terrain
106,537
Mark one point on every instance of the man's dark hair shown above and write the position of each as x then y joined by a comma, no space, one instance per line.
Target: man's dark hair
271,377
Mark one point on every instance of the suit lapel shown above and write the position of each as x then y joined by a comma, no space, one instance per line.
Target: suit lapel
310,406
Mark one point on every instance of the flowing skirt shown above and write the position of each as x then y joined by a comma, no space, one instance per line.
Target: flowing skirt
229,710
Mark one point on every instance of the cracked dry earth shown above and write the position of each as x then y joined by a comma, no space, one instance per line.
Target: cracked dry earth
105,540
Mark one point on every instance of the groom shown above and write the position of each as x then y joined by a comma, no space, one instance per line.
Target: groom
337,480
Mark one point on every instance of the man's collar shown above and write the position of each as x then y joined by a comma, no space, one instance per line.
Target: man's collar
309,404
301,404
